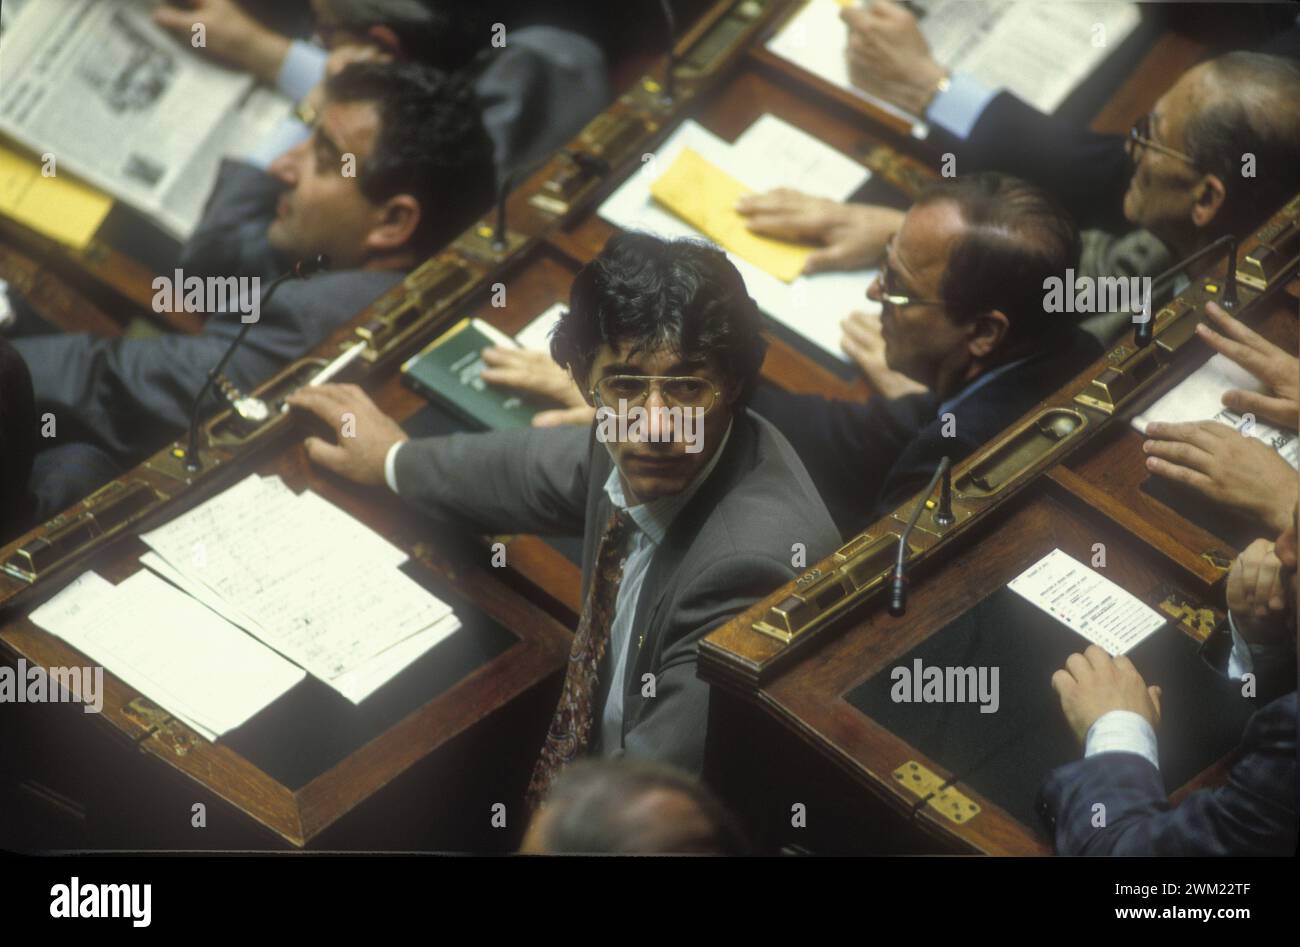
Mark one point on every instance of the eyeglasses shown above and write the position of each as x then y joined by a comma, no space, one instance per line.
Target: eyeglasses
1139,136
897,300
677,391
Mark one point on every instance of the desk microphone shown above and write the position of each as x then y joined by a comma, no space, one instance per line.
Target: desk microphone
670,20
1144,331
300,270
898,578
499,231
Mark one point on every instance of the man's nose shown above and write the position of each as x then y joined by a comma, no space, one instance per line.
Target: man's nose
874,290
656,409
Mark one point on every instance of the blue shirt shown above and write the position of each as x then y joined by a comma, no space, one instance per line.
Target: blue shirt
651,521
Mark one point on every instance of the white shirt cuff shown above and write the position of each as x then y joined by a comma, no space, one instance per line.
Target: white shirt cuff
958,109
1122,731
390,466
302,70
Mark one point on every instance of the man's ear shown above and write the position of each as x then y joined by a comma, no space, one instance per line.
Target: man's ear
988,332
386,39
398,220
1209,197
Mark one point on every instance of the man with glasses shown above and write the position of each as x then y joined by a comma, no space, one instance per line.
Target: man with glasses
676,541
1216,155
961,289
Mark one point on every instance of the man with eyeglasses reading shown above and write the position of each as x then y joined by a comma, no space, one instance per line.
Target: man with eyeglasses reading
675,541
963,316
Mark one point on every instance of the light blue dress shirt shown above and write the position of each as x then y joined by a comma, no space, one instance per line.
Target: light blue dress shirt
958,109
652,521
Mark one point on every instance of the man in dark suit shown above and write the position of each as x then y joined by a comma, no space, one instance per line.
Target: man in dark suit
397,165
704,503
962,291
1114,714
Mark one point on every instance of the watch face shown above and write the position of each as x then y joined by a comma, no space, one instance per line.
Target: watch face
252,409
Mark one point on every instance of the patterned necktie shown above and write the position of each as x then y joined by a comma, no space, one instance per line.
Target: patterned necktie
571,725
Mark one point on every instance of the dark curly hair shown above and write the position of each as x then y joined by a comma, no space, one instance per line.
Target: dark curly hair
645,293
431,145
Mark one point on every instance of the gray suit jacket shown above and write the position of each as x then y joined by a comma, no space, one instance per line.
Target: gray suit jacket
132,395
730,546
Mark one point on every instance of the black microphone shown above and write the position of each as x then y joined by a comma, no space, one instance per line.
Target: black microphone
499,231
670,83
300,270
1229,298
1144,331
898,578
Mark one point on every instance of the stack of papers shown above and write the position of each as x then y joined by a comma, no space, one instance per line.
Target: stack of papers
164,644
769,154
305,578
263,583
1199,397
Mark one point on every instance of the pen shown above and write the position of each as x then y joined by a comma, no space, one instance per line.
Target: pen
334,367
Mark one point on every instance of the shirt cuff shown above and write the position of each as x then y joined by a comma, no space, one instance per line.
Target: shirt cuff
1122,731
302,70
958,108
287,134
390,466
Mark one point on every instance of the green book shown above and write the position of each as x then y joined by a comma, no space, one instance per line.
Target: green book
449,369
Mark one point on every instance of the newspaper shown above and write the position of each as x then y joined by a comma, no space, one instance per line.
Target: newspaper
1040,51
125,106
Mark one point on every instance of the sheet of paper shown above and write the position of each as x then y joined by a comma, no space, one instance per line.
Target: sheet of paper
705,196
1199,397
58,207
765,156
1040,51
1087,602
171,648
359,683
314,584
537,334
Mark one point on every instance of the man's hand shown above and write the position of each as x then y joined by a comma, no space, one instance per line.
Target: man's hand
1093,683
1257,594
889,57
365,433
1279,403
1240,472
865,344
535,373
230,35
852,236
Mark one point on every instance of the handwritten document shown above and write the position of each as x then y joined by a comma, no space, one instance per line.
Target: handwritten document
306,579
1087,602
169,647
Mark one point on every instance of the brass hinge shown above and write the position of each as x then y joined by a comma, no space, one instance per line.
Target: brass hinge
929,786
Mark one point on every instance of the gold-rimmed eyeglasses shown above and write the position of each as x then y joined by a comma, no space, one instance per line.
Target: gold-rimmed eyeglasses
1139,136
887,295
677,391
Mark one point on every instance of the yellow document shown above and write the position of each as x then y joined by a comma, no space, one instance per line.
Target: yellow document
58,207
705,196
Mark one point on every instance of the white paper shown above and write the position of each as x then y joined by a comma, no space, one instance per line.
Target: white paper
1199,397
302,576
1038,50
169,647
769,154
1087,602
537,334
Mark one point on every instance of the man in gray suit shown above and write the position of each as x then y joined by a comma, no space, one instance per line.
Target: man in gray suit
396,166
706,505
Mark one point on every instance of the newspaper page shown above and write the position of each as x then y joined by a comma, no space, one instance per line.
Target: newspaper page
125,106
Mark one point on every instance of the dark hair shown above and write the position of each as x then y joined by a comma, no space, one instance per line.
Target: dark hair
1255,108
431,145
437,33
1015,236
593,808
18,436
645,293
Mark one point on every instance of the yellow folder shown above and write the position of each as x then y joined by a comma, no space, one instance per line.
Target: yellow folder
705,196
58,207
